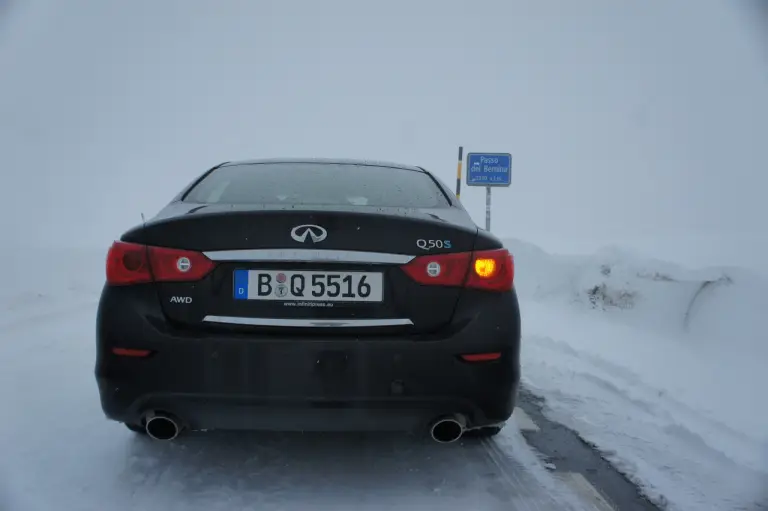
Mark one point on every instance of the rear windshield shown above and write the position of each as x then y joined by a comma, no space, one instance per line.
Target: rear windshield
318,184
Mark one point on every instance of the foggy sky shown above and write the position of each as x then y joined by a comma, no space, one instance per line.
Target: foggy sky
641,123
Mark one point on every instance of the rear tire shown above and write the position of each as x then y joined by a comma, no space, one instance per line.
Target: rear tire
136,429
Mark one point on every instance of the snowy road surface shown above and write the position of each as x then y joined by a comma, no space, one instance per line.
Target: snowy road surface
59,452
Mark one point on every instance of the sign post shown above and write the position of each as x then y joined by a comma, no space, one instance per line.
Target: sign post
489,170
458,173
488,208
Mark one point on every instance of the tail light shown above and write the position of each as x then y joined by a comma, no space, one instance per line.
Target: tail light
131,263
492,270
439,270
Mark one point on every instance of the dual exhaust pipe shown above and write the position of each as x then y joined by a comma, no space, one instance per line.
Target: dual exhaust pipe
161,426
445,430
448,429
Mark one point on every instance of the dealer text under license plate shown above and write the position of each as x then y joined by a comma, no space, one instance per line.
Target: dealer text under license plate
308,285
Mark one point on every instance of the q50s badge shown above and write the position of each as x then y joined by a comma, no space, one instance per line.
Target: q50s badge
430,244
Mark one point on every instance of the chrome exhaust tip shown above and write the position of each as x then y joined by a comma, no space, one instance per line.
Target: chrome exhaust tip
161,426
449,429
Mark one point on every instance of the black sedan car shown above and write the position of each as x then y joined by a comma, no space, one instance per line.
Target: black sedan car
310,295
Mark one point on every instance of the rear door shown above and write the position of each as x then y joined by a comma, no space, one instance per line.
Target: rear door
311,247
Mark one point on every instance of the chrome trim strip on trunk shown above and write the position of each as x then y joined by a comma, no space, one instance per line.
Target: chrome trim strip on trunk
311,255
314,323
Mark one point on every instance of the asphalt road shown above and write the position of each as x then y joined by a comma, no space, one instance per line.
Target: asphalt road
576,462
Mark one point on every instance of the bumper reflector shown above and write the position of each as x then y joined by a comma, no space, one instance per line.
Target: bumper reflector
481,357
126,352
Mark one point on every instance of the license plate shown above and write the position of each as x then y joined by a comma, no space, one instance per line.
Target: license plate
327,286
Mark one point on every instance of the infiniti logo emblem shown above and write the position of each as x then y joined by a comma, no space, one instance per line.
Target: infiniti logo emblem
300,233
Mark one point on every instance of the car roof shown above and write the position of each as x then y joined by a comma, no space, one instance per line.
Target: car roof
331,161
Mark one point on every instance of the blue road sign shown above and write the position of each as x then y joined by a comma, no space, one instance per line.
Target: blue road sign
489,169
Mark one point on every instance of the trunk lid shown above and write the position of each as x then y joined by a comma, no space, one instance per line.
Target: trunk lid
335,264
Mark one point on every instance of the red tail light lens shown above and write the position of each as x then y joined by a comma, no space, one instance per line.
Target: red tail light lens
439,269
492,270
131,263
127,263
172,265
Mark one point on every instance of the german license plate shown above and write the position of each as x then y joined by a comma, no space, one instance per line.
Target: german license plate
327,286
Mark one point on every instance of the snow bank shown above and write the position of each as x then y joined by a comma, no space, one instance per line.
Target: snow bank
660,366
645,292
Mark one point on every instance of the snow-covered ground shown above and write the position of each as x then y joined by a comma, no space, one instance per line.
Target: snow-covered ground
662,368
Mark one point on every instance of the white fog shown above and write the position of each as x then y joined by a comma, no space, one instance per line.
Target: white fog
627,123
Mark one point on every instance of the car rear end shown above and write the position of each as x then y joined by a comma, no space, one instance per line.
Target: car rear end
309,296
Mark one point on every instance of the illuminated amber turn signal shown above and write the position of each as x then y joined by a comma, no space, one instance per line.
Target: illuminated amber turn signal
485,268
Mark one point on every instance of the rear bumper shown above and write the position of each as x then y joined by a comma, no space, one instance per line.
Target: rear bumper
206,411
239,381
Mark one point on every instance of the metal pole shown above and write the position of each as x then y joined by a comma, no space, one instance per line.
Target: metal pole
488,208
458,172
